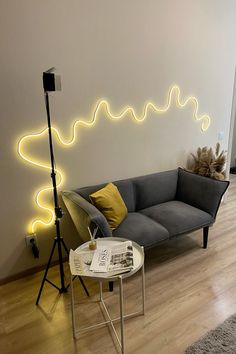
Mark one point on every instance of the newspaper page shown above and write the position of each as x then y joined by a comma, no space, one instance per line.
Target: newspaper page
80,262
113,259
106,261
122,257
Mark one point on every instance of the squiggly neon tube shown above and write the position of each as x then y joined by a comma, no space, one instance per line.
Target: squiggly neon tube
102,104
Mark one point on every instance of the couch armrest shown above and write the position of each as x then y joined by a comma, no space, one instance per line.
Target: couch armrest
83,214
201,192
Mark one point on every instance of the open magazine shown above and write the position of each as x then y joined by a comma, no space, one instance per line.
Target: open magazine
113,258
106,260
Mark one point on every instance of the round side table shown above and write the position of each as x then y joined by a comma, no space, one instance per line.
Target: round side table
138,254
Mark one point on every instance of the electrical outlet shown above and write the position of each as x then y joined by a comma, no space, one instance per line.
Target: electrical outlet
221,136
30,237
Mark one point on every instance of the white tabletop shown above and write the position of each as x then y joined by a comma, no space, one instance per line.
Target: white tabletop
138,254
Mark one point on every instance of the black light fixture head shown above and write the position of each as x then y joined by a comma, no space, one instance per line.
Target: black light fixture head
51,80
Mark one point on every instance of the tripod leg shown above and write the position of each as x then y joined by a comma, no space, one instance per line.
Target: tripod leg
58,240
82,283
46,272
80,279
64,245
84,286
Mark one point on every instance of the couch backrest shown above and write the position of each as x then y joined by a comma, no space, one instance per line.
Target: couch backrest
141,192
155,188
125,188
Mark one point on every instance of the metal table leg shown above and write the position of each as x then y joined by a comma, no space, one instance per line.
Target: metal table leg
110,321
143,286
72,305
122,315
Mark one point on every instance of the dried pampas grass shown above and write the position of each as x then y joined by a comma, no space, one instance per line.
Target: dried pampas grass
209,163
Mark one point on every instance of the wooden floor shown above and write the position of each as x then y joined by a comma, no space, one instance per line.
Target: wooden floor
189,291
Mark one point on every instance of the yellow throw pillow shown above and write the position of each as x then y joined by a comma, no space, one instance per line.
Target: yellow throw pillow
109,201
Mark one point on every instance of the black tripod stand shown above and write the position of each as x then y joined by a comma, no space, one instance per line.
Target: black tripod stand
58,240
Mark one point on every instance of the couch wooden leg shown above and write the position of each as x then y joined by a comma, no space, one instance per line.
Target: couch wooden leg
110,285
205,236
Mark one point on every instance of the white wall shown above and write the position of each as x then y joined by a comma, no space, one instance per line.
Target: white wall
128,52
233,152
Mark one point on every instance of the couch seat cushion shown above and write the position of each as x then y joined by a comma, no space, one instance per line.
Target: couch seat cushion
178,217
141,229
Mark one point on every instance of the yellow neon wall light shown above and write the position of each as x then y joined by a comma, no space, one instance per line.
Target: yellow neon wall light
102,104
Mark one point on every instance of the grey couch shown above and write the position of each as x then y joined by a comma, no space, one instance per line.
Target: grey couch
160,206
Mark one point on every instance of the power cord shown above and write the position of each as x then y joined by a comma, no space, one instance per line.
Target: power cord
35,248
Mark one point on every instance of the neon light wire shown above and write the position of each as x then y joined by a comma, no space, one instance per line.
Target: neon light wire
102,104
